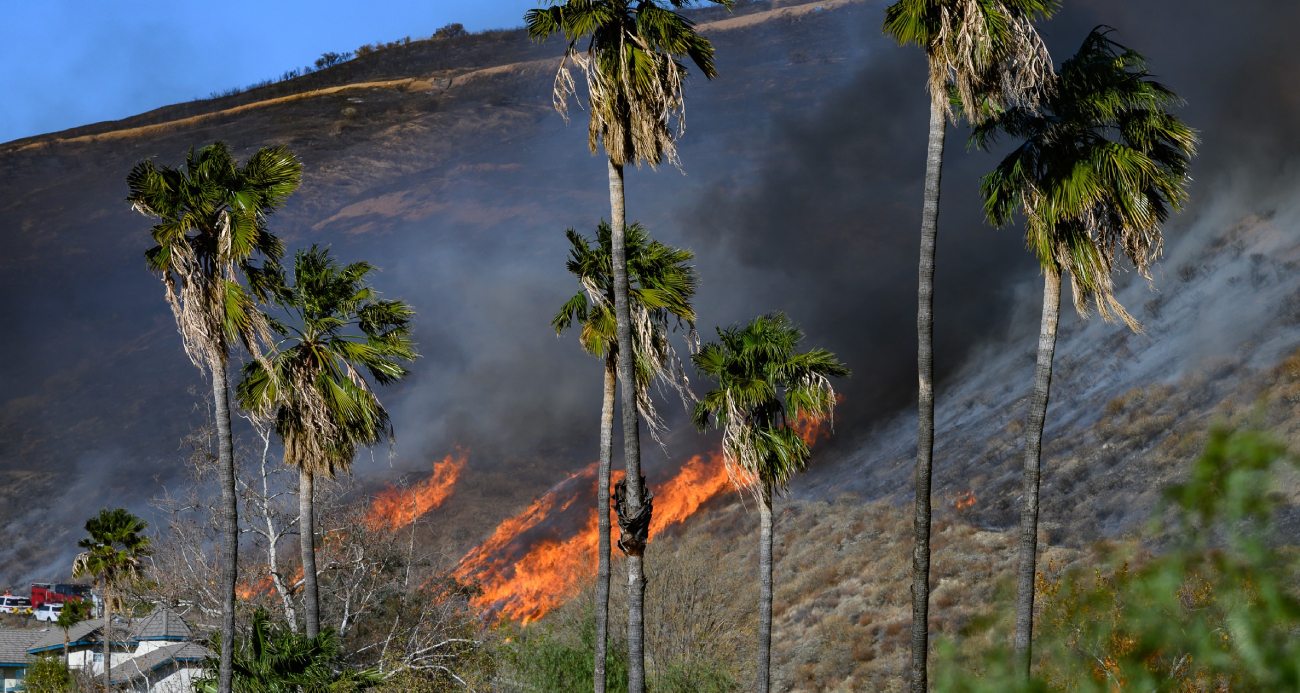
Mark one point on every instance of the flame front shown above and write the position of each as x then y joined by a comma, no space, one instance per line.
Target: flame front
398,507
554,562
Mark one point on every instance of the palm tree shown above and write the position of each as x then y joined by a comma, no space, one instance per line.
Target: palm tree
662,286
74,611
212,220
1103,164
274,660
337,326
634,78
980,53
765,384
113,554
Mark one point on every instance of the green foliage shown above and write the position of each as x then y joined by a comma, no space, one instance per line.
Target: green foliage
211,220
557,658
543,660
633,69
337,327
115,549
273,660
661,288
765,386
1217,612
980,53
74,611
46,674
1102,166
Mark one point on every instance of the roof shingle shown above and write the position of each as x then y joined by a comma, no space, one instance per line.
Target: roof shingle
140,666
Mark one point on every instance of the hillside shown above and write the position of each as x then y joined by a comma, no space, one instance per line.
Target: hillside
445,164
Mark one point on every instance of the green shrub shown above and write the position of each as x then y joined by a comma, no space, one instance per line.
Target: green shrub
46,674
1214,612
544,660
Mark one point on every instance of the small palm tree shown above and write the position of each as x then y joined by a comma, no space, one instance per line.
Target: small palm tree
1103,165
765,385
273,660
337,330
212,220
634,77
980,53
662,287
74,611
113,554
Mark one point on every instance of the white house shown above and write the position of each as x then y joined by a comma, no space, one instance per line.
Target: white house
86,644
165,659
153,654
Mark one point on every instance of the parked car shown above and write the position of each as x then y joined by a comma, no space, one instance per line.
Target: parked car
9,604
48,612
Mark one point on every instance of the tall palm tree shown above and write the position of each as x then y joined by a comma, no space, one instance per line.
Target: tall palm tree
661,288
113,553
765,384
336,327
634,77
212,219
979,52
74,611
1102,166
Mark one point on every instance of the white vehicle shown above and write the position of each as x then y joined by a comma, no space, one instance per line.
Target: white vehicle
48,612
9,604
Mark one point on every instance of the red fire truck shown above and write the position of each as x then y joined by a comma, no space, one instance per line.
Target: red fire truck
43,592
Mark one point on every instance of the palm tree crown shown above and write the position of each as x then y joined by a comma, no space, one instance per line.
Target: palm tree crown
979,51
1102,166
765,385
662,287
212,219
336,327
115,548
632,66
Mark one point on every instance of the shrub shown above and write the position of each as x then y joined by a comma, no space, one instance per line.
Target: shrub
451,31
331,59
46,674
545,660
1215,613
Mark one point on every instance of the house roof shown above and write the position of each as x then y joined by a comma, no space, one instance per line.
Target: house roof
140,667
15,643
162,624
84,633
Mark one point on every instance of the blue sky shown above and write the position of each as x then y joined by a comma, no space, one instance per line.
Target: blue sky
65,63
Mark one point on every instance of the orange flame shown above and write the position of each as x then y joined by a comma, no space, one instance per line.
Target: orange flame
535,560
398,507
554,565
964,500
245,590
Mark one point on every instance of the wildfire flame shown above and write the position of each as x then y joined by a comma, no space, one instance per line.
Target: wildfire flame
398,507
554,563
964,500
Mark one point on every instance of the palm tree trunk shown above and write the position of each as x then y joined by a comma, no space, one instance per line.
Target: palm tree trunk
765,591
1033,468
108,639
602,522
925,400
67,642
229,525
631,436
307,537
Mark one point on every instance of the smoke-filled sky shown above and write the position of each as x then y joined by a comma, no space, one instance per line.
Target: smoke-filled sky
802,187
